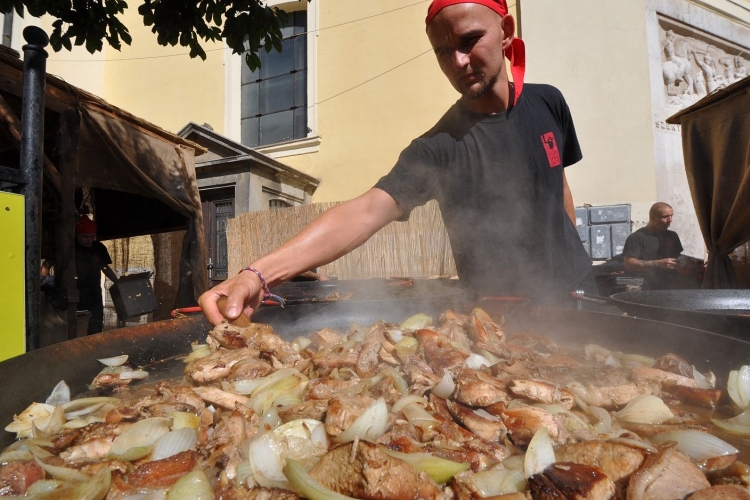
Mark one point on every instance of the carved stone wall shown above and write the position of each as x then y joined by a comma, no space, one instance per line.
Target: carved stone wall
695,63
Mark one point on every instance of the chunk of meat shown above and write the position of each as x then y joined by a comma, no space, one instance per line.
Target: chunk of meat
368,359
217,365
314,409
522,423
420,375
249,369
670,475
326,388
368,472
479,388
481,328
542,392
343,411
167,409
571,481
617,461
612,396
491,429
326,338
647,430
438,351
644,373
339,356
267,494
221,398
16,477
722,492
90,450
163,473
673,363
707,398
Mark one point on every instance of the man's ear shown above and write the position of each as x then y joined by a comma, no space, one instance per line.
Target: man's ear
509,30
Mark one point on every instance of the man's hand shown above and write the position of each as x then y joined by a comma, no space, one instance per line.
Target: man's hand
244,294
666,263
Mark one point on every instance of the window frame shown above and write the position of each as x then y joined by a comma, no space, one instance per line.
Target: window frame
233,94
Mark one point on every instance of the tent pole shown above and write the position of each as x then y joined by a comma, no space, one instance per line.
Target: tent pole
31,162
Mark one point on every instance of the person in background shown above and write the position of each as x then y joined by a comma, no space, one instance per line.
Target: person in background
92,259
495,162
652,251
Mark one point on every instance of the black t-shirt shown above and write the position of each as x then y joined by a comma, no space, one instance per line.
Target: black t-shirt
89,264
499,182
647,245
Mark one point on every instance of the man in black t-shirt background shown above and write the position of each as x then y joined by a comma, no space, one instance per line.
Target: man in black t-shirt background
495,163
652,251
92,259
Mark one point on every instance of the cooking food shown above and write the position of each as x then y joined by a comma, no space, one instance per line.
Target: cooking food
445,409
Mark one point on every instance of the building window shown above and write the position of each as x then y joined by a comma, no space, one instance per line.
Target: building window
274,97
278,203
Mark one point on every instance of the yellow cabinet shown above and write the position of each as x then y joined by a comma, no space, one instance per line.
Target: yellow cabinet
12,272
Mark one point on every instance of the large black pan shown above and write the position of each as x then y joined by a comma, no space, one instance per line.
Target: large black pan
721,311
32,376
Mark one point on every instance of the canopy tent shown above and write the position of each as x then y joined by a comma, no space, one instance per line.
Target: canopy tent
715,144
142,177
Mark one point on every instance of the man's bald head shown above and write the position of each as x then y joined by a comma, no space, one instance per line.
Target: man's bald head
660,216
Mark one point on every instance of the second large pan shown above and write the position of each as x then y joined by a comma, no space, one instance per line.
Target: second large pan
721,311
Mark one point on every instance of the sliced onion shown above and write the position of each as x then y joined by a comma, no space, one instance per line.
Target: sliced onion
307,486
182,419
270,420
60,394
249,386
114,361
645,409
633,360
738,386
416,322
634,443
487,354
195,346
406,348
301,343
444,389
95,488
476,361
495,482
42,486
302,439
174,442
21,424
197,354
702,381
76,423
192,486
405,400
83,411
539,455
147,495
418,416
596,352
133,375
612,361
698,445
484,414
395,335
262,399
287,400
242,473
85,402
139,437
371,424
265,457
737,425
439,469
63,473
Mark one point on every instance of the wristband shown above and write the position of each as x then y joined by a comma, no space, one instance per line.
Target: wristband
266,291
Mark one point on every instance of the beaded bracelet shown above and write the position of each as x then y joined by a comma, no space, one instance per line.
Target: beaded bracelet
266,291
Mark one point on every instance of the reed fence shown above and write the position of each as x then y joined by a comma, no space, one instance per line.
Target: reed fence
416,248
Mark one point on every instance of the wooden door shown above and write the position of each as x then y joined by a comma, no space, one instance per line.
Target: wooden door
218,208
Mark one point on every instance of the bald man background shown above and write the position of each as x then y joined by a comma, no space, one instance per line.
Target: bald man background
495,162
652,251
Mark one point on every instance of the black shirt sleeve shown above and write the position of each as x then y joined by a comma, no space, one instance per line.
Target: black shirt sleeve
632,246
104,258
413,181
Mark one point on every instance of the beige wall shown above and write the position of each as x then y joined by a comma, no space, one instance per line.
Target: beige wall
364,129
597,58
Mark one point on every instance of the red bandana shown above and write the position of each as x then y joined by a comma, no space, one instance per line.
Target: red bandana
516,53
84,225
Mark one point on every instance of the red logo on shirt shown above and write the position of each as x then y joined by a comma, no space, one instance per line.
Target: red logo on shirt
550,147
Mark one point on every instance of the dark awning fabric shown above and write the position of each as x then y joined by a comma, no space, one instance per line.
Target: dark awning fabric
119,156
716,148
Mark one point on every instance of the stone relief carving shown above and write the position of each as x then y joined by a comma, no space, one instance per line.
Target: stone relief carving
693,65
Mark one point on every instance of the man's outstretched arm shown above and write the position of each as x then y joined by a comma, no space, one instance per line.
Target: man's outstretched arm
334,233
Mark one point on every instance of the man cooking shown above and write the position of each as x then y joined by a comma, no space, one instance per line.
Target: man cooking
652,251
495,163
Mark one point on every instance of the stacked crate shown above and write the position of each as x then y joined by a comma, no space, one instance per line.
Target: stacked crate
603,230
